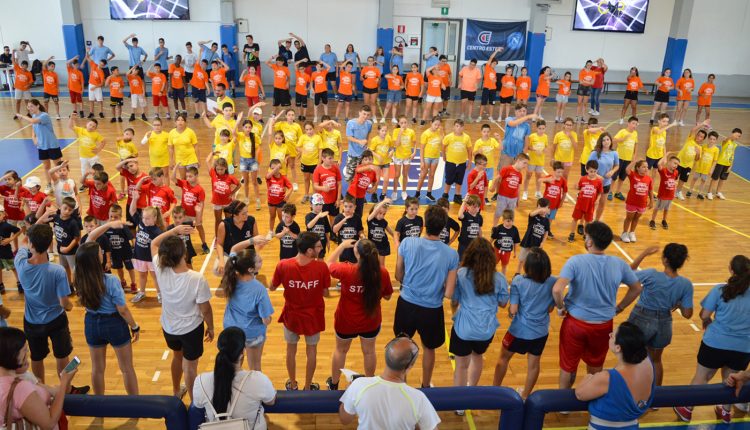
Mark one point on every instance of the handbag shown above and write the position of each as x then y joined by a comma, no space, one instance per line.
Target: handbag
8,425
225,421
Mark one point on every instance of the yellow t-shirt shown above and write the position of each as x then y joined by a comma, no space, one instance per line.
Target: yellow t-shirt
158,149
184,146
279,152
331,140
564,146
589,142
226,151
220,123
87,142
126,149
309,147
537,145
292,133
626,148
726,155
709,155
381,149
688,152
657,143
405,147
246,145
431,140
488,148
457,148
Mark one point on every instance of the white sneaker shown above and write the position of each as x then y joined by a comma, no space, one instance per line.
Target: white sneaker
710,196
295,187
394,196
680,196
596,113
622,121
540,118
404,195
591,111
315,120
525,196
394,120
632,237
382,120
625,237
374,120
744,407
138,297
682,124
537,195
720,196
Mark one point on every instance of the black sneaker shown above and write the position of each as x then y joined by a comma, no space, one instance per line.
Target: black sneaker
79,390
580,229
291,386
445,195
91,115
119,119
314,386
457,199
417,194
664,225
20,288
259,181
80,114
113,119
413,120
242,181
382,197
101,114
82,188
204,248
571,237
331,386
700,196
2,288
651,121
652,224
550,235
196,116
619,196
374,197
430,197
132,117
421,122
143,117
688,194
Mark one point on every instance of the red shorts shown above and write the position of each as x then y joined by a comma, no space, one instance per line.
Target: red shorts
252,100
580,340
502,257
586,215
161,100
76,97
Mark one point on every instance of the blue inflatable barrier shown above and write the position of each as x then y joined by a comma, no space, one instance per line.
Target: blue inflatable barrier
168,407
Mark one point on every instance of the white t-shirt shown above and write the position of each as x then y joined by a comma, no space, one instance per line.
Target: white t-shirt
257,389
181,293
381,404
189,61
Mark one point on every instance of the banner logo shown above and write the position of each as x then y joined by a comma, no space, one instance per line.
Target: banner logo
484,37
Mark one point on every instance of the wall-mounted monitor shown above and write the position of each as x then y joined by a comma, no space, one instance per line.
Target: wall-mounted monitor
620,16
149,9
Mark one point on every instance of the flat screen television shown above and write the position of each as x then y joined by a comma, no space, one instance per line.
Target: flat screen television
620,16
149,9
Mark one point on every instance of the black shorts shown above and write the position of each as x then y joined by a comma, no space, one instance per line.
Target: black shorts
524,346
506,100
631,95
653,163
178,93
428,322
468,95
684,173
661,97
384,250
622,172
462,348
118,261
331,77
191,344
488,96
331,209
715,358
369,90
308,168
454,173
606,188
50,154
188,77
300,100
583,91
57,331
51,96
230,76
281,97
414,98
321,98
720,172
199,95
115,101
277,205
366,335
445,94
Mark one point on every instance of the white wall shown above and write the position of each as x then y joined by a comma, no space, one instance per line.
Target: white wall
715,40
44,34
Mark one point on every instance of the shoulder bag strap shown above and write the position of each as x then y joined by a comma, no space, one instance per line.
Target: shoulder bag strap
9,402
233,403
208,399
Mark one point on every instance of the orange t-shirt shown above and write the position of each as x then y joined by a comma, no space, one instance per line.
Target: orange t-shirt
136,84
507,86
685,89
219,76
395,82
319,81
542,86
199,79
414,82
280,77
634,83
177,74
50,83
75,80
705,93
301,81
345,83
116,85
158,82
523,85
563,87
665,84
252,84
490,77
370,75
96,77
434,83
586,77
444,71
23,78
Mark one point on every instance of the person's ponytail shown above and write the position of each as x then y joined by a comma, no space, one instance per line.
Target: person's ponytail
739,282
368,267
231,345
237,265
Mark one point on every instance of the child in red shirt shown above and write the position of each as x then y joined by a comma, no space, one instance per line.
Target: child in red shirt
101,196
327,182
507,185
477,180
668,175
35,197
129,170
223,186
279,189
159,194
193,197
589,189
555,190
365,181
639,197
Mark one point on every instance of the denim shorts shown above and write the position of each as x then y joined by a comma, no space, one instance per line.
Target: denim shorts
104,329
656,326
430,161
255,341
248,165
393,96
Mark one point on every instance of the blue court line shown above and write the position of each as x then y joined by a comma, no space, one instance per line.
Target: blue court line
21,155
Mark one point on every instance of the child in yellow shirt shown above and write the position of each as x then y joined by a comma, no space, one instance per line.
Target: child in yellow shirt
404,140
125,149
309,146
90,143
705,164
536,147
489,146
565,142
382,149
331,137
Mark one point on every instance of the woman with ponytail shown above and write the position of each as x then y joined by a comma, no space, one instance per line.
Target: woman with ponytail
229,391
248,304
358,313
726,341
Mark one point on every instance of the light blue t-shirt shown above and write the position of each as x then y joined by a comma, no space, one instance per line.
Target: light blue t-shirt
100,53
208,54
358,131
534,301
426,266
594,280
228,58
476,318
135,54
247,307
515,137
163,59
662,293
45,134
730,329
113,296
380,61
398,60
607,162
352,56
431,62
44,285
331,59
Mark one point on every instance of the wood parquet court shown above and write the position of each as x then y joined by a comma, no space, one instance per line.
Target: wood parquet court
713,230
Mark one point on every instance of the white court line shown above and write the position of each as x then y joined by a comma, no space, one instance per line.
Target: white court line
208,258
16,132
156,376
165,355
695,327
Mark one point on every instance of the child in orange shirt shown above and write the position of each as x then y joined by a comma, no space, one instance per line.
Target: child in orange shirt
631,93
705,93
523,87
370,82
75,84
96,81
685,87
51,85
137,92
218,74
563,92
489,85
393,97
176,79
345,90
586,79
319,87
664,85
433,100
444,71
302,80
253,86
199,83
116,84
414,90
542,90
507,90
23,82
158,89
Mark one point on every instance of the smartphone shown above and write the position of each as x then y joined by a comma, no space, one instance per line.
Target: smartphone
73,365
190,223
88,43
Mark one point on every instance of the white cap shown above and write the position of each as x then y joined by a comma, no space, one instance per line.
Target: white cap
32,181
317,199
258,110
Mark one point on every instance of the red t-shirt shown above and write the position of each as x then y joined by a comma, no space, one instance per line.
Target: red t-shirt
640,188
277,189
510,182
191,196
161,198
668,184
12,202
555,191
481,188
132,180
304,309
360,183
100,200
330,177
599,77
221,188
588,192
350,316
35,200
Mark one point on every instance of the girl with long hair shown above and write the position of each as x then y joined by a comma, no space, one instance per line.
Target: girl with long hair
685,87
236,227
634,84
43,135
609,164
149,225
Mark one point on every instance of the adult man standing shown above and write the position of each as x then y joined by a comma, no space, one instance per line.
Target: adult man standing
386,401
426,268
357,131
101,52
332,60
161,54
252,54
592,280
209,54
136,55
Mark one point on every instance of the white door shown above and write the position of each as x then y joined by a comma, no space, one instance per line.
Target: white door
444,35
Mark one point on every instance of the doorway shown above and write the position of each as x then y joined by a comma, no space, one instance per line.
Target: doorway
445,35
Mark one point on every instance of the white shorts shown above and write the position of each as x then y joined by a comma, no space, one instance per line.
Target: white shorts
87,163
433,99
533,168
401,161
137,101
561,98
95,94
22,95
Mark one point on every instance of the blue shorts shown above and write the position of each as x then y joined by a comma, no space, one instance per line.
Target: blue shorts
248,165
251,342
230,75
199,95
103,329
431,161
393,96
489,173
345,98
656,326
552,214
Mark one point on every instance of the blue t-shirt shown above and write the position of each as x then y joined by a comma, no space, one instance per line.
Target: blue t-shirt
163,59
135,54
352,56
594,280
208,54
44,285
730,329
607,161
662,293
358,131
398,60
100,53
431,62
330,59
247,307
45,134
426,266
515,137
534,301
380,62
113,296
476,318
228,58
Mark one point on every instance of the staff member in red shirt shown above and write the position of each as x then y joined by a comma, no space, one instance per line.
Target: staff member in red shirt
596,89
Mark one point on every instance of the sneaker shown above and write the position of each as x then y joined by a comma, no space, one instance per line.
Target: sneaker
622,121
382,120
689,194
413,120
664,225
196,116
204,248
259,181
421,122
684,413
652,225
82,188
91,115
595,113
158,297
723,414
710,196
156,115
374,197
609,196
571,237
20,288
651,121
291,386
632,237
381,197
417,194
457,199
113,119
429,197
550,235
680,196
525,196
314,386
720,196
682,124
315,120
138,297
404,195
394,196
242,181
580,229
119,119
295,187
80,114
460,412
619,196
537,195
169,116
305,198
182,391
337,287
257,204
395,121
2,288
79,390
700,196
133,288
625,237
331,386
591,111
101,114
744,407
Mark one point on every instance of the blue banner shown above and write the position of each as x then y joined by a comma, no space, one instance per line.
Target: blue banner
483,37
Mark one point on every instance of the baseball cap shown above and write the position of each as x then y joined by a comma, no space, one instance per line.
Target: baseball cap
32,181
258,110
317,199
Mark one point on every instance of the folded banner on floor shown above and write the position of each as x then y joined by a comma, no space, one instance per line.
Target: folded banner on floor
483,37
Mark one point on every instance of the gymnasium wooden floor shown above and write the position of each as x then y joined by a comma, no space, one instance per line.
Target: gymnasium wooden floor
713,230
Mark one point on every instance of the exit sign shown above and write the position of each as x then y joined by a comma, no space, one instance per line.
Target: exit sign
443,11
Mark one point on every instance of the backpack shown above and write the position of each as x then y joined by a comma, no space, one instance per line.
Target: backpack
225,421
